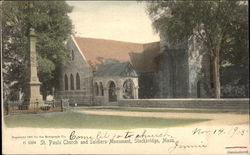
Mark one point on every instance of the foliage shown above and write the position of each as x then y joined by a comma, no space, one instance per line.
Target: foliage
221,26
52,26
211,19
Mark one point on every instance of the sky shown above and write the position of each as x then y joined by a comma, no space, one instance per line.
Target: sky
115,20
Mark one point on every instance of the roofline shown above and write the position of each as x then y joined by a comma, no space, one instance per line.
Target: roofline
73,39
118,40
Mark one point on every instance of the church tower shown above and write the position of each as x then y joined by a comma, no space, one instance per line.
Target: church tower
173,70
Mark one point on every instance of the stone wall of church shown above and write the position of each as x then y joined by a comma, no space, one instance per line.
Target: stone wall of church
173,75
76,65
184,70
148,85
199,70
102,85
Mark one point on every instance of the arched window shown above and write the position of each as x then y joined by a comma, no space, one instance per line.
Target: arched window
77,81
72,55
101,89
71,82
96,89
66,85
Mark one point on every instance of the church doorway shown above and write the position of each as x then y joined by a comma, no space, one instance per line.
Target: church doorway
112,92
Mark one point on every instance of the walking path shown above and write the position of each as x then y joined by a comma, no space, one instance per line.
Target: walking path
216,118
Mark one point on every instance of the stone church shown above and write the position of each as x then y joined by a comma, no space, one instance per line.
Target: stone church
101,72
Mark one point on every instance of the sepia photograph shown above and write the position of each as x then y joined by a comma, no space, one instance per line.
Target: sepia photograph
125,77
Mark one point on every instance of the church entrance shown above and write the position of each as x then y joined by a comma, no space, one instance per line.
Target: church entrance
112,92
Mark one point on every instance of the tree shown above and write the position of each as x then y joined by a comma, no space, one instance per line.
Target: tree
221,26
52,26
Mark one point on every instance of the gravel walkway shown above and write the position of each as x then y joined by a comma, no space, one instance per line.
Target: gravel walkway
216,118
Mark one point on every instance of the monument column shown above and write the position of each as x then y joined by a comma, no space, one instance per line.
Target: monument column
34,98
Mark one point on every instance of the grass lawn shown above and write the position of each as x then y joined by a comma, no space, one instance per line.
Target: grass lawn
81,120
174,110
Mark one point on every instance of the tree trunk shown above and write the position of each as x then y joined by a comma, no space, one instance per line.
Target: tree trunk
216,73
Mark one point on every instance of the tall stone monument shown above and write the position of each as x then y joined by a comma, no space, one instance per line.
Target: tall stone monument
33,97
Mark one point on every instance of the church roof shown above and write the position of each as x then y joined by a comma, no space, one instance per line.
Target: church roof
124,69
147,60
141,56
94,49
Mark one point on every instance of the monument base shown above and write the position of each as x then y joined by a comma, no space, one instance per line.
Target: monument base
34,99
37,105
33,104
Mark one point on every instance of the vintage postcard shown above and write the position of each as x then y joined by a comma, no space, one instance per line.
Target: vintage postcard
125,77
